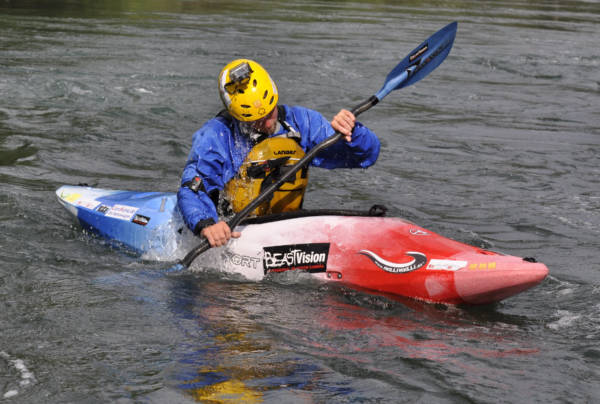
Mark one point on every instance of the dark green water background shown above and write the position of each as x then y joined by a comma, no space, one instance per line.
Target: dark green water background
498,147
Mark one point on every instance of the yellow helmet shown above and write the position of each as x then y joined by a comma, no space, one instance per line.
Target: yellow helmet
247,90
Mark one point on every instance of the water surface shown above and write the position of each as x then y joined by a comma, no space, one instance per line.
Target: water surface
498,148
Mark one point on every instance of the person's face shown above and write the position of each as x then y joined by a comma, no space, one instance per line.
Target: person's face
267,124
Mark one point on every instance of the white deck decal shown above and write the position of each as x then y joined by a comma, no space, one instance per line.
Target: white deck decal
122,212
87,203
446,265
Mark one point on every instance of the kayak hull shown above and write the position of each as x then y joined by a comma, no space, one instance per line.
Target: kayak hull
387,255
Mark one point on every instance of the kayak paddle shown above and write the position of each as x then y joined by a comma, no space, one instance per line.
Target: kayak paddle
418,64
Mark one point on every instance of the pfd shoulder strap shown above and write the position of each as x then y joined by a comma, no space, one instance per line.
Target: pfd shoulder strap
290,131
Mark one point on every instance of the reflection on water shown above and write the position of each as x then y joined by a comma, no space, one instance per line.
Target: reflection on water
232,360
245,353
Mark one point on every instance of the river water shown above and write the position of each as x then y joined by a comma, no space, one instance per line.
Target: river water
498,148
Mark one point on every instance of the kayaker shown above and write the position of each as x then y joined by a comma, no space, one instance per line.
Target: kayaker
252,141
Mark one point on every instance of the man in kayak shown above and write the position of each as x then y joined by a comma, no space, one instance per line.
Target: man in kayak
246,146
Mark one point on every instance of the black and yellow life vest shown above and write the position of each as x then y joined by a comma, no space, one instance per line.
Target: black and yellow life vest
264,164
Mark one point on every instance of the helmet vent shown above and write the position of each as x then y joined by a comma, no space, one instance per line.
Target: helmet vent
272,98
254,83
265,94
245,106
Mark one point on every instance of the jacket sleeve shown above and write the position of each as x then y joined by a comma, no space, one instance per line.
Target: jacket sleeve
361,152
207,160
196,207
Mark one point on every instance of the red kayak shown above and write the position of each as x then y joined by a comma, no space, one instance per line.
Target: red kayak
383,254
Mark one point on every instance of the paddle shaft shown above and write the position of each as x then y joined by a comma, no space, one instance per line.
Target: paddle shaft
266,193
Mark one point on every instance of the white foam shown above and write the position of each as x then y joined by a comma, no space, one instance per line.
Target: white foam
10,393
27,377
80,91
566,319
565,292
142,90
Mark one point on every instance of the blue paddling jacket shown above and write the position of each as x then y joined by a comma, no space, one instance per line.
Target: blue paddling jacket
219,149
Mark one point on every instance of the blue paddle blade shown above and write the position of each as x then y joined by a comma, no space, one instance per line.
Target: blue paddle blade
421,61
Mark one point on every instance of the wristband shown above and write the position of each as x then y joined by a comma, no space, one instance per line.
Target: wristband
202,224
